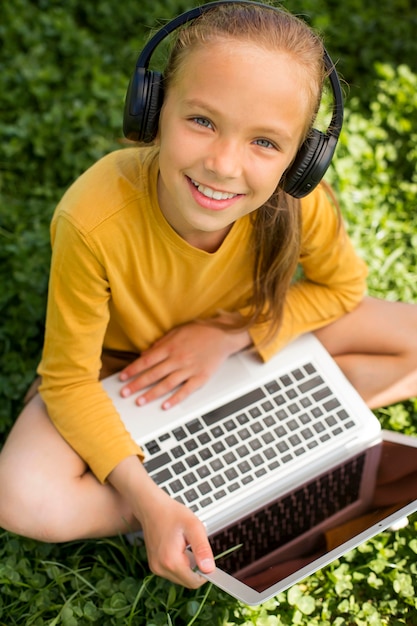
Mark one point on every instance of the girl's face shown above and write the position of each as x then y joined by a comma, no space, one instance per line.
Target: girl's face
230,126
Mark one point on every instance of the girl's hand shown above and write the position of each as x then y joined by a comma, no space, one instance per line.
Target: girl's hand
168,526
183,360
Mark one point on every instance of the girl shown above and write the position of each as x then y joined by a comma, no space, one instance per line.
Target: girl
169,258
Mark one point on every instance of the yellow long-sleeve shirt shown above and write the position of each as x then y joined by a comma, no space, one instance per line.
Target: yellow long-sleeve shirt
121,277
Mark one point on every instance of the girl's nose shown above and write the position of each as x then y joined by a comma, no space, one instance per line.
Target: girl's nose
224,158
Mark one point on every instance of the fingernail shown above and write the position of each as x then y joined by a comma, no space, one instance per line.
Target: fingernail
207,565
125,392
166,405
141,401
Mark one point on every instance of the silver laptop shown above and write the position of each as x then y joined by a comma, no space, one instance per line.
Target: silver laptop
281,461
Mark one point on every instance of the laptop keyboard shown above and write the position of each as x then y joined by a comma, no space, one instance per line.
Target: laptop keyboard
224,450
287,518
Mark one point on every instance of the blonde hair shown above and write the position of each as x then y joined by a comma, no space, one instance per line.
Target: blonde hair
276,235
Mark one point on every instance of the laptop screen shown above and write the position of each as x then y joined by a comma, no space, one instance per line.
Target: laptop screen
296,530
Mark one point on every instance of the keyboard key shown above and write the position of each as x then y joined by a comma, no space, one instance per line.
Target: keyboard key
298,374
192,460
270,453
257,460
247,479
152,447
309,368
217,431
294,440
205,454
321,393
229,458
242,451
312,383
216,465
235,405
191,495
178,468
267,438
244,467
204,488
177,452
179,433
176,486
272,387
190,479
162,476
231,441
194,426
203,471
279,399
242,419
204,438
307,433
244,433
156,462
331,404
291,394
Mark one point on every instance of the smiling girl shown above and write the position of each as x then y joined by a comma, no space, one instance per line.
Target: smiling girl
167,259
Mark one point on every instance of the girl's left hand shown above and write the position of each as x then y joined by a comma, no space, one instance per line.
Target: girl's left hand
183,360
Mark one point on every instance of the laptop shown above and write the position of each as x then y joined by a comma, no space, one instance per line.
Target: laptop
282,461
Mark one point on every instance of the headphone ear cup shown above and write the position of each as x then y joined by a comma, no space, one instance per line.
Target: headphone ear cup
310,164
142,105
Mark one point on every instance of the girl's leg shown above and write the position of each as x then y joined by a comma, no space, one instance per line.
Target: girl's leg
376,347
47,491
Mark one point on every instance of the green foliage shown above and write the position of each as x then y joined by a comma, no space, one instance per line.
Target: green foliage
105,583
360,34
64,69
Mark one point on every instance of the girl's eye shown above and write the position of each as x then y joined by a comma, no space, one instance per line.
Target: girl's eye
264,143
202,121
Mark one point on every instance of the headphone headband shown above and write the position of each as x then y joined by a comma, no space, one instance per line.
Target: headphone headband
145,96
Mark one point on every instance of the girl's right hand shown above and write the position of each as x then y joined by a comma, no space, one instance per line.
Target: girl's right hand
168,526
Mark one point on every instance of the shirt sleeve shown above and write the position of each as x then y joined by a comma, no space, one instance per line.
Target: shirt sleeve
332,276
77,317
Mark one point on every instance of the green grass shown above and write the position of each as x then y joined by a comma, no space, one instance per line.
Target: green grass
62,81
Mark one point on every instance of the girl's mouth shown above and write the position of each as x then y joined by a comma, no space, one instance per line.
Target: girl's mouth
213,194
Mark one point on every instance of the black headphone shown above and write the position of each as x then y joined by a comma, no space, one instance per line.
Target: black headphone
145,96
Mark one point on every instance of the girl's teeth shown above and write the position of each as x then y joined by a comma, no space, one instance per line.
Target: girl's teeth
211,193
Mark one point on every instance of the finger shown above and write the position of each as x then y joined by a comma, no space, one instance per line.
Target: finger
163,387
147,360
151,376
185,390
202,551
